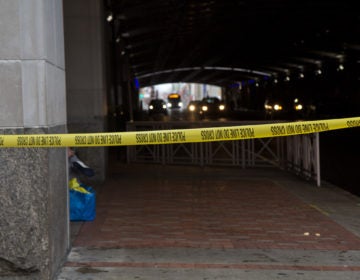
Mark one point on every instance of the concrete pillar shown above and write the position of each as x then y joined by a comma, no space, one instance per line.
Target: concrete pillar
85,76
34,234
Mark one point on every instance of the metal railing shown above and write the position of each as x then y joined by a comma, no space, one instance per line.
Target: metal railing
298,154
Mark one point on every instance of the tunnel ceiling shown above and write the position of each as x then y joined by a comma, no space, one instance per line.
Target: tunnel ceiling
222,42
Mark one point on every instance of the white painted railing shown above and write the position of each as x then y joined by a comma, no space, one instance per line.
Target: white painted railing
298,154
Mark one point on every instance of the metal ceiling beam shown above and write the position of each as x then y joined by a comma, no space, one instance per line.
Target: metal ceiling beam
282,36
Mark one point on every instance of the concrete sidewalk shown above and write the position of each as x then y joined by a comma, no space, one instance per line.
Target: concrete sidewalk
176,222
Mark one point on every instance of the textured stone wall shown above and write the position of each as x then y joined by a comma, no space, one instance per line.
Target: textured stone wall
34,227
33,209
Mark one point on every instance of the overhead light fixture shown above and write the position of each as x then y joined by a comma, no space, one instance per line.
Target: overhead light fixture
109,17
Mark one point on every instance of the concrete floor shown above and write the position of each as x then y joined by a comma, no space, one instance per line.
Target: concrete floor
182,222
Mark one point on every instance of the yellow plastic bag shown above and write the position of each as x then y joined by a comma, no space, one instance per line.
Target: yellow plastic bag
75,186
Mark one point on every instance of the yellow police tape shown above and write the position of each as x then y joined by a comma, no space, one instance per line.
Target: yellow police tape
177,135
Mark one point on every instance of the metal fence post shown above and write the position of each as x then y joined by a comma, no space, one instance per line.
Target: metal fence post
317,159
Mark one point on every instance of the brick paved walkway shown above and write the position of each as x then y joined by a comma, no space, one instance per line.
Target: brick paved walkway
159,209
175,223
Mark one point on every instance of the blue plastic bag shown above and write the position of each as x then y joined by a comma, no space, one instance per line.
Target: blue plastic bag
82,202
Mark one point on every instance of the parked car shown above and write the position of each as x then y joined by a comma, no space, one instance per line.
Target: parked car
212,106
157,106
275,108
289,108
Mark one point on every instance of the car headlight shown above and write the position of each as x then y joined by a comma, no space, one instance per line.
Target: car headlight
204,108
169,105
180,104
268,107
151,107
192,108
298,107
221,107
277,107
164,106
